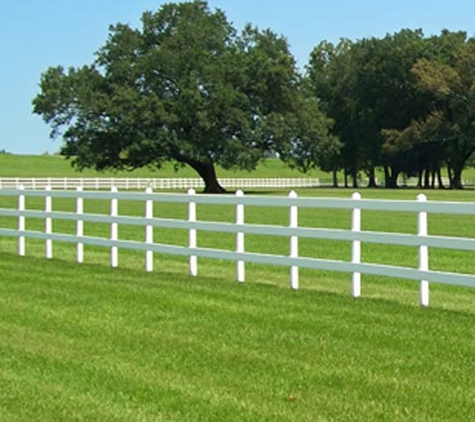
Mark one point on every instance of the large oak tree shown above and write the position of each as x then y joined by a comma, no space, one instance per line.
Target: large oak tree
185,88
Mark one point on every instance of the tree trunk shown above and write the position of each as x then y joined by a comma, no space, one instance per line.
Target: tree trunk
335,177
354,177
208,173
391,175
419,179
439,178
372,178
386,176
451,176
457,178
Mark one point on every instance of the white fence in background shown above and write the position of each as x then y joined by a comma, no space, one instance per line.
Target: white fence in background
292,232
155,183
176,183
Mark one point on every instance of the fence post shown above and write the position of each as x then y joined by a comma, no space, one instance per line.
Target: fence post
21,221
114,211
48,223
79,226
193,264
148,231
294,243
240,269
356,247
423,252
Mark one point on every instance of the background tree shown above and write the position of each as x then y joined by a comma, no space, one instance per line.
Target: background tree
329,77
419,150
307,140
452,118
445,133
415,151
385,93
184,88
365,87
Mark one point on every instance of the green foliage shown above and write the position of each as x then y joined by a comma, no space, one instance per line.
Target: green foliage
450,123
392,100
327,74
185,88
365,87
189,89
435,77
311,144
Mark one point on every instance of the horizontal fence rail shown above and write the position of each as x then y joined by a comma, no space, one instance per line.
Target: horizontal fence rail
156,183
177,183
292,232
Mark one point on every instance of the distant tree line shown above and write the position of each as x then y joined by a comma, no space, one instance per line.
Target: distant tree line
189,88
405,103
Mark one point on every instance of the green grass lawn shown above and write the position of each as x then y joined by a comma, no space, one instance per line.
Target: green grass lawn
57,166
87,343
90,343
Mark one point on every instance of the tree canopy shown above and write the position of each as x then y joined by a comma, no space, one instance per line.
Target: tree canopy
186,88
449,125
403,102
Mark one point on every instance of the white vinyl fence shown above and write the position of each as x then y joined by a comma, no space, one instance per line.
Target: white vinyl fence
292,232
154,183
180,183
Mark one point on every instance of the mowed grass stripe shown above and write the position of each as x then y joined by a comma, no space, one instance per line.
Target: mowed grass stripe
91,343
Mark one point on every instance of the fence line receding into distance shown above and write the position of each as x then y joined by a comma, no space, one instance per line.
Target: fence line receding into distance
175,183
182,183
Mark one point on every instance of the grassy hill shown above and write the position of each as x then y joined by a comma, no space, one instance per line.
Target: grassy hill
57,166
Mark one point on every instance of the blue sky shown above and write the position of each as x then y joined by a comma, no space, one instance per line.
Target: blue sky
36,34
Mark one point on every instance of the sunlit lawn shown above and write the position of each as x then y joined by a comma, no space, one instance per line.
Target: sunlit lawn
87,342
